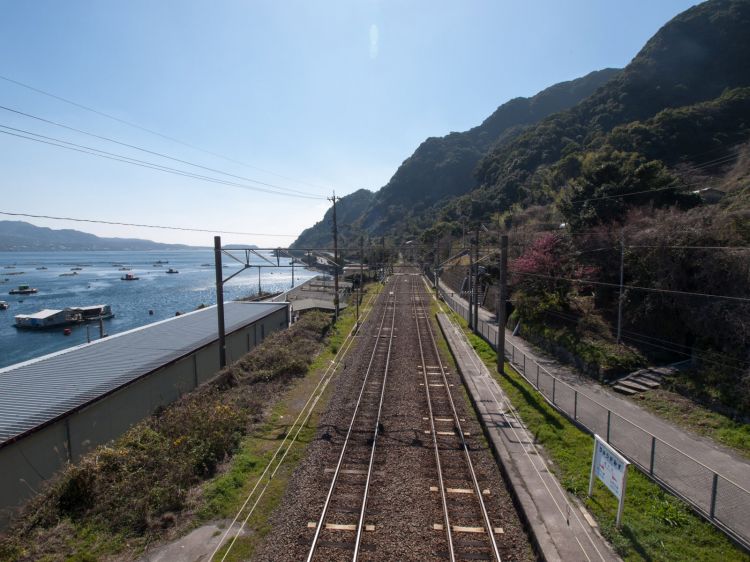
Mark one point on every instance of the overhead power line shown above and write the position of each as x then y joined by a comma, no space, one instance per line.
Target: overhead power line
703,354
153,132
160,154
161,227
52,141
632,287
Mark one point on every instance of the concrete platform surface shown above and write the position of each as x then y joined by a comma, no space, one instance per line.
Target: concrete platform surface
560,526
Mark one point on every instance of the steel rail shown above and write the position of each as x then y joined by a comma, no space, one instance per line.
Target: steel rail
361,520
436,448
467,456
337,470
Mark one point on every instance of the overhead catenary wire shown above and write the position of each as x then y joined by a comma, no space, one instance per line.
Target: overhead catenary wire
702,354
148,151
139,225
632,287
60,143
153,132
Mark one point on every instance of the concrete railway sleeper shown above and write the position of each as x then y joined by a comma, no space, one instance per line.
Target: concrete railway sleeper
456,512
360,441
387,475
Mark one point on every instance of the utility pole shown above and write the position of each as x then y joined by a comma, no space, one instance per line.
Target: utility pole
361,273
335,261
435,270
220,302
621,295
502,298
476,281
470,300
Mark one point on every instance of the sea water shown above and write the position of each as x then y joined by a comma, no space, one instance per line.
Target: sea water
98,282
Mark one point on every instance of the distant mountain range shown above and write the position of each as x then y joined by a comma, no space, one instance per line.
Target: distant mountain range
19,236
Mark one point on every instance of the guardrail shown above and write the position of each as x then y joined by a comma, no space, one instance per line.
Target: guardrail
718,499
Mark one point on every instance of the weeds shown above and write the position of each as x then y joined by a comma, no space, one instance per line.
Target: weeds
136,487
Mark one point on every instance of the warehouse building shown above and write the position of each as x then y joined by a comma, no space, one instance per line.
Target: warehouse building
55,408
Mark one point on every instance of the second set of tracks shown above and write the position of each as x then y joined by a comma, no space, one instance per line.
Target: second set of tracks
399,470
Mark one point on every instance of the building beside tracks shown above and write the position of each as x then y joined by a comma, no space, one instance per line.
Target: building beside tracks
56,408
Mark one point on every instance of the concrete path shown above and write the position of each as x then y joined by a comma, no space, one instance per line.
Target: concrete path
561,528
686,462
196,546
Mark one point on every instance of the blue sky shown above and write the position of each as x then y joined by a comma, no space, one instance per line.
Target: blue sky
328,94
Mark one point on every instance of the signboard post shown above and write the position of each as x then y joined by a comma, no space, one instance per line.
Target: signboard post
611,468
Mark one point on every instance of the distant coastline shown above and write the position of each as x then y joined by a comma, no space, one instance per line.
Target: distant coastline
20,236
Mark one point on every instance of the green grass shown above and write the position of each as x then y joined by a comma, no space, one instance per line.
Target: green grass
225,494
165,470
686,413
656,525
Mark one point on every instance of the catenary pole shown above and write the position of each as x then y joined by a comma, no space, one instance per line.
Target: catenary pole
476,280
470,298
621,295
335,261
502,298
220,302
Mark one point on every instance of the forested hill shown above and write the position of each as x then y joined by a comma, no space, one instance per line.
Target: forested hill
696,57
443,167
348,210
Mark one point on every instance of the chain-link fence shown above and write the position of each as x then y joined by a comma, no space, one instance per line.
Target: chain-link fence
721,501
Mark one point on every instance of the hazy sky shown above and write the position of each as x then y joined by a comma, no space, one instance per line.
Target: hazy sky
328,94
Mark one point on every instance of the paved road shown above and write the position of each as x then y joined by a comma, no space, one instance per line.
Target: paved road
672,457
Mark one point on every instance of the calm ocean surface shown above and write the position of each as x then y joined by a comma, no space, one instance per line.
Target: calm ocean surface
99,283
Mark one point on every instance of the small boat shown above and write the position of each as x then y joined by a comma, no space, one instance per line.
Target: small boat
4,305
76,268
41,268
170,270
69,274
206,265
161,262
23,290
123,268
9,267
157,265
129,277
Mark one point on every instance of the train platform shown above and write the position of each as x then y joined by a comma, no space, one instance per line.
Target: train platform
560,526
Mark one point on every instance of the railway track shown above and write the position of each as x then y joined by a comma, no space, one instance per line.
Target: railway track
345,506
461,497
399,470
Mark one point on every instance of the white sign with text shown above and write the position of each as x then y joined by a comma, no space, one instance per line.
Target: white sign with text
611,468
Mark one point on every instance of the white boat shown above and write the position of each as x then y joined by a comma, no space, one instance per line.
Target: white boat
48,318
4,305
23,290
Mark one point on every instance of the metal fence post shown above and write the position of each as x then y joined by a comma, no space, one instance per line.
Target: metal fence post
575,405
609,420
653,455
714,485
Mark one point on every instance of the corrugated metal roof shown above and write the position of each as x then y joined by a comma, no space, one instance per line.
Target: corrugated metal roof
37,391
41,315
